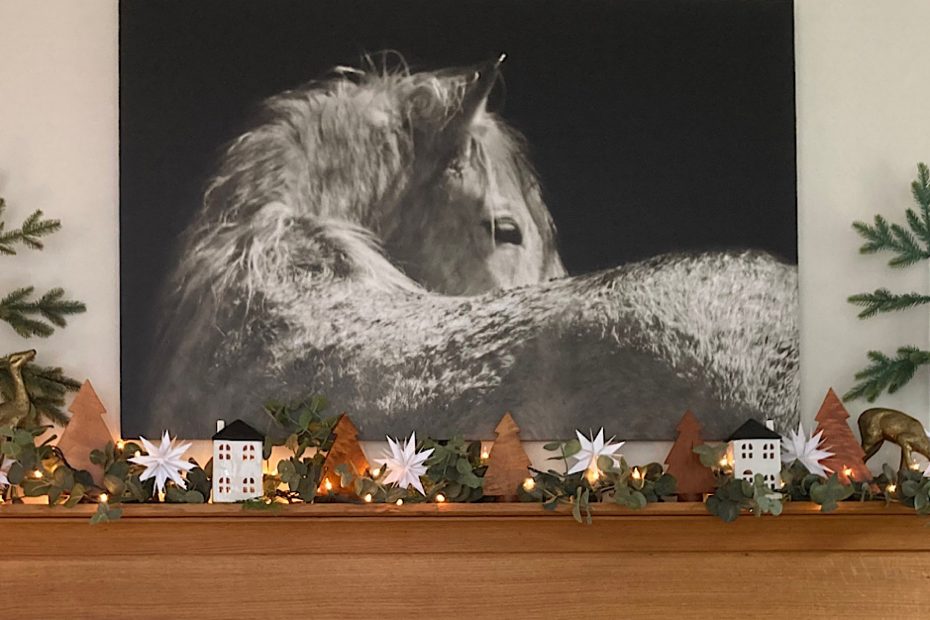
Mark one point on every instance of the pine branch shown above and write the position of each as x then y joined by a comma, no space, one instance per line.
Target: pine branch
883,300
887,373
15,308
921,186
27,234
46,386
909,245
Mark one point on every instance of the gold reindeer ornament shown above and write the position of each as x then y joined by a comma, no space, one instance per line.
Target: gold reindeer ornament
879,424
14,411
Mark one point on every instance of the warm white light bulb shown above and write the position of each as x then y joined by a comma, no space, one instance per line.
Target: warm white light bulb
37,474
891,488
399,502
327,485
529,484
103,498
367,498
375,472
440,498
120,443
637,475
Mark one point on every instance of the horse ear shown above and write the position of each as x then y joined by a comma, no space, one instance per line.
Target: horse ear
479,82
446,104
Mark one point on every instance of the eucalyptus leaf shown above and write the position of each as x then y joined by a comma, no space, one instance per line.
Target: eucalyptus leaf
114,485
119,469
571,448
62,477
16,474
75,496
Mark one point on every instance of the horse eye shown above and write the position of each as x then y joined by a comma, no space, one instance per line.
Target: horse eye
504,230
455,168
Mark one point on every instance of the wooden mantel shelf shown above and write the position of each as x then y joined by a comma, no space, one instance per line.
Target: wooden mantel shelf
477,560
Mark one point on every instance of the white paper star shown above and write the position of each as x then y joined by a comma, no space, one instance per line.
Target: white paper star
806,450
591,450
163,462
404,464
5,470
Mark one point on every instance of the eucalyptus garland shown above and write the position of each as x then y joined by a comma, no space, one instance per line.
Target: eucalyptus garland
614,481
32,466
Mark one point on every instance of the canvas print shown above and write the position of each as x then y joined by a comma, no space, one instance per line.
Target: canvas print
433,212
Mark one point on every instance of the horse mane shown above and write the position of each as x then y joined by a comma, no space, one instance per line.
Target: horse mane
336,152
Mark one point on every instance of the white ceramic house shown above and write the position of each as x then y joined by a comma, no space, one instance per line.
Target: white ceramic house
753,449
237,462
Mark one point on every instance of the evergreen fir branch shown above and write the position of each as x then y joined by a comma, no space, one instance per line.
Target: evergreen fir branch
921,186
885,373
47,388
918,226
883,300
15,308
910,251
27,234
50,380
50,411
882,236
909,245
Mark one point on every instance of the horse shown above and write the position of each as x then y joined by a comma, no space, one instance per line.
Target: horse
380,236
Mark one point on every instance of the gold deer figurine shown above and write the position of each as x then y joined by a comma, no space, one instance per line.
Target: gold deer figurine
13,412
879,424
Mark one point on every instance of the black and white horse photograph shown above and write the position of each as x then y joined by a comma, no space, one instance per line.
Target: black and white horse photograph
433,212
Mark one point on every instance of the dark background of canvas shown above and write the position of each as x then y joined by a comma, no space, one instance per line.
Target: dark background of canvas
656,125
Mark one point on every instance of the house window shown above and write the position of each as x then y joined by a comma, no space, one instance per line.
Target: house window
248,453
223,452
746,450
248,485
224,485
768,451
747,475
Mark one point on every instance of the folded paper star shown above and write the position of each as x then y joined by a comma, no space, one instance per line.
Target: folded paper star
591,450
806,450
404,464
163,462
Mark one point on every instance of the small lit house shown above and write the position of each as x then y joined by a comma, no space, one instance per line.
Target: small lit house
237,462
753,449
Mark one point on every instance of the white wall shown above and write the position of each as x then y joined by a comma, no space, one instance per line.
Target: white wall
863,123
862,93
58,153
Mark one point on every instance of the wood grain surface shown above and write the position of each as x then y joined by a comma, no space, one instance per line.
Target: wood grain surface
479,560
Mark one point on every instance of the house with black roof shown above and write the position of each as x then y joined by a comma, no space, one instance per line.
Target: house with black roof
755,448
237,462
